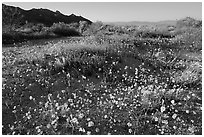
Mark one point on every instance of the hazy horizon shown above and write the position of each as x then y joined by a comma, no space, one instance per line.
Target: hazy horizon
121,11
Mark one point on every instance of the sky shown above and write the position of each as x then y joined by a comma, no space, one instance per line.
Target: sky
121,11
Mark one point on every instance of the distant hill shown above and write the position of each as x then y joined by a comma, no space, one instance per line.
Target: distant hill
16,15
141,23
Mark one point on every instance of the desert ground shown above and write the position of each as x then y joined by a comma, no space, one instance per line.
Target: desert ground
111,79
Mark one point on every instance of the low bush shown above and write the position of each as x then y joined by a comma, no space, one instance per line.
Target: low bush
31,32
189,22
63,29
190,37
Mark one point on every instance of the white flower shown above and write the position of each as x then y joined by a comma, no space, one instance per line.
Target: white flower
38,130
111,96
88,119
83,77
130,130
48,126
97,129
163,109
88,132
81,129
90,123
126,67
173,102
129,124
156,119
30,97
164,121
145,92
81,115
174,116
57,104
70,100
74,120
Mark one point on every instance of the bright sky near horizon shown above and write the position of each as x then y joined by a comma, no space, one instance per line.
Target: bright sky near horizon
121,11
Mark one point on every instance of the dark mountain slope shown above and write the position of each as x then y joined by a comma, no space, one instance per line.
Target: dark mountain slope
47,17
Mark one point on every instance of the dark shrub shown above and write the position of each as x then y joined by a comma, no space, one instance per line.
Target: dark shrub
7,38
62,29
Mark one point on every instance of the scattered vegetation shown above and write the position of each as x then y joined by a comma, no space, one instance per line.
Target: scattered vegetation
189,22
39,31
108,82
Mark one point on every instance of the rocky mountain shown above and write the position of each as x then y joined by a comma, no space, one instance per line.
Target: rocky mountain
17,16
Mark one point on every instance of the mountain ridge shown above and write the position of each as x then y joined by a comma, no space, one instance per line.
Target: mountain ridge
43,16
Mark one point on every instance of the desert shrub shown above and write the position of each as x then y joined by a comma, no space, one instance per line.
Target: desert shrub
73,25
46,30
7,38
101,38
147,33
63,29
189,22
189,32
192,74
38,31
31,26
94,28
190,37
193,37
155,35
83,26
15,36
37,27
66,32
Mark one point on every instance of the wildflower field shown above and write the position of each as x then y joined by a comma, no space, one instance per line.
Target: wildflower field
105,83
